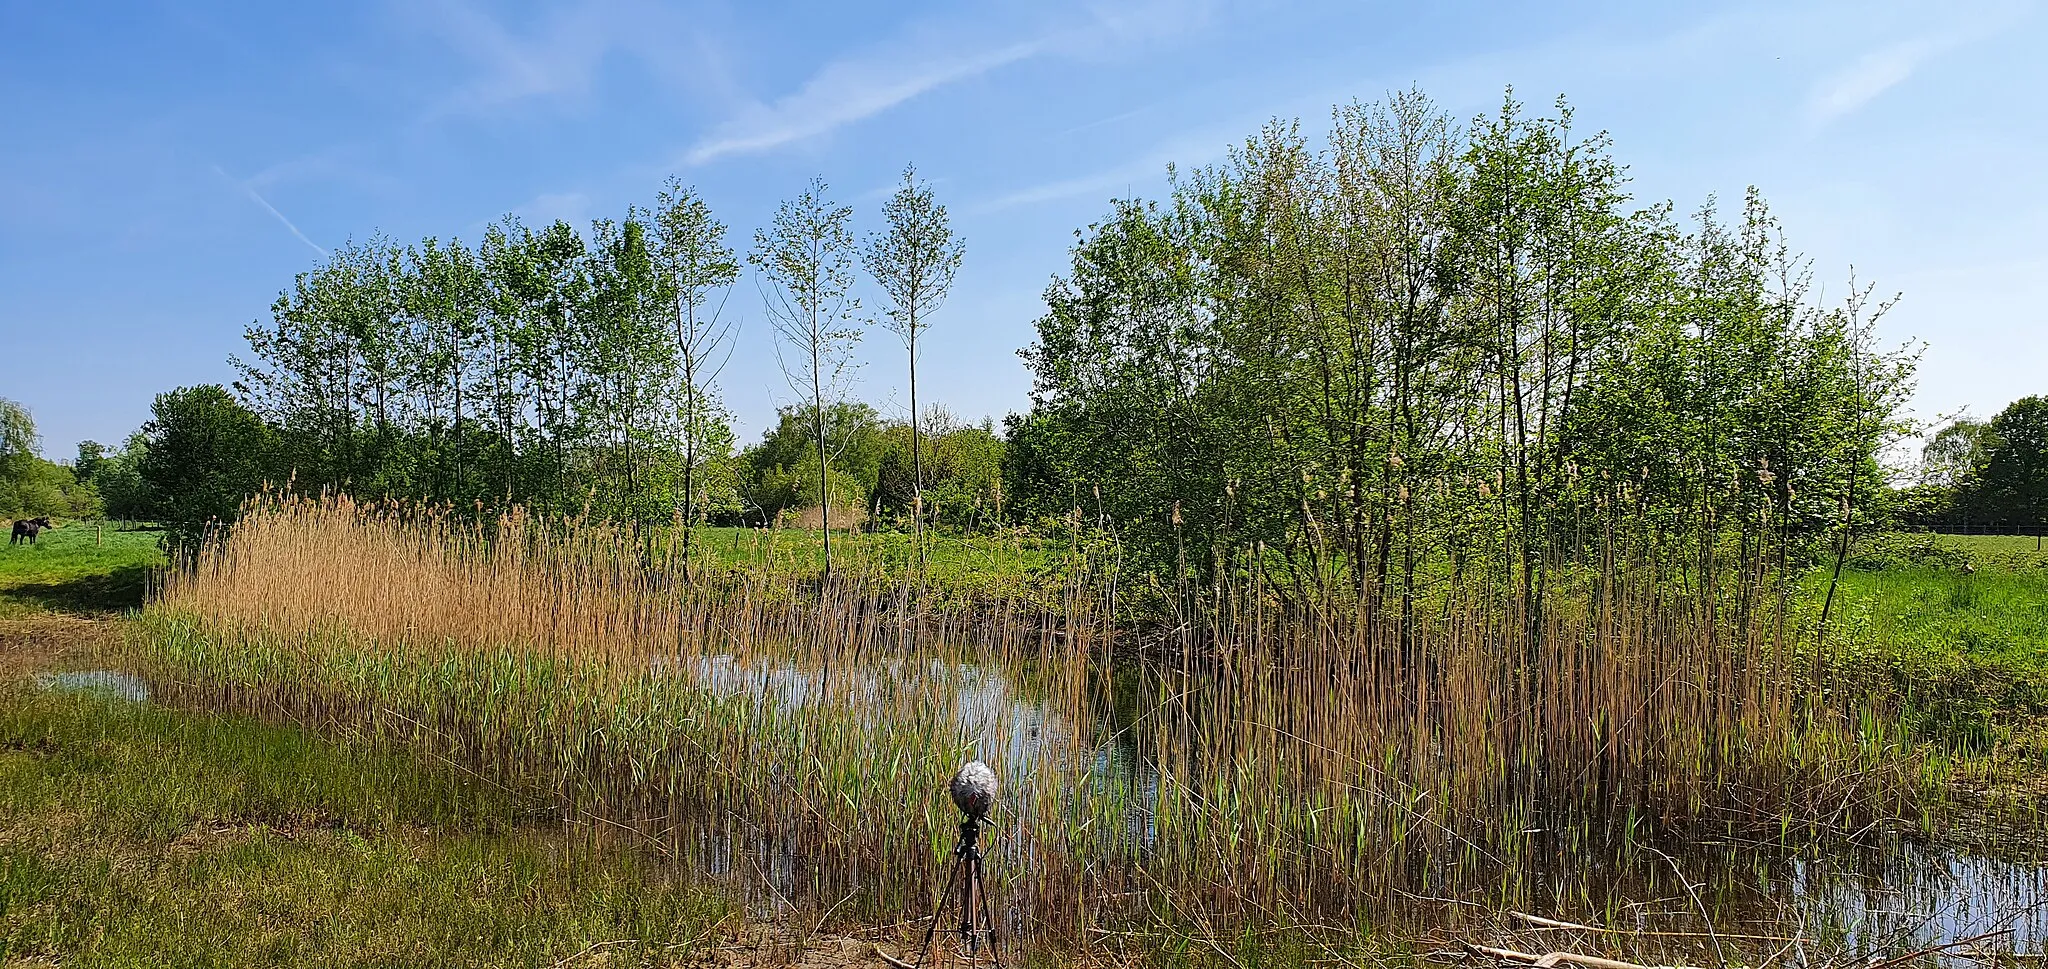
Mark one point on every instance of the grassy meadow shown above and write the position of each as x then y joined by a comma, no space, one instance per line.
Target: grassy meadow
1952,632
510,752
78,567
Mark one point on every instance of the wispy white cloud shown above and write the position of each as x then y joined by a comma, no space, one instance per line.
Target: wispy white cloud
1877,71
845,92
1109,181
258,198
862,85
1190,149
345,164
559,54
1872,74
1117,118
509,67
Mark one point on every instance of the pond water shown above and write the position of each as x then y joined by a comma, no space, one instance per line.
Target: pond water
1892,896
127,686
1907,896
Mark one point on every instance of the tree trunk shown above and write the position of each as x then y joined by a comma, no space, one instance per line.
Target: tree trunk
818,426
916,452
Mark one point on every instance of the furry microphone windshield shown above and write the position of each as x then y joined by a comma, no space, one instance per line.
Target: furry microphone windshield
974,789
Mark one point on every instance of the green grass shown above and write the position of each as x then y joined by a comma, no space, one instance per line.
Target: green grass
988,566
84,568
136,836
993,553
1962,642
2008,552
79,567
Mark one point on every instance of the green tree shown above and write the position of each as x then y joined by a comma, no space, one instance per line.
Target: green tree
690,252
2010,486
442,293
548,367
965,474
92,455
18,437
40,487
914,261
807,255
203,454
963,468
1412,356
631,367
118,479
1953,453
784,468
30,485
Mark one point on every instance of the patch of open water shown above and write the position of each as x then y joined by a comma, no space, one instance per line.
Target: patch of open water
127,686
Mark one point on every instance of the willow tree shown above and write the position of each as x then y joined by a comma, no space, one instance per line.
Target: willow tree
442,294
914,260
1422,354
690,251
17,430
807,256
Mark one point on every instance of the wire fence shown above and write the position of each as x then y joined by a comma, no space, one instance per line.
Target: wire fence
2036,530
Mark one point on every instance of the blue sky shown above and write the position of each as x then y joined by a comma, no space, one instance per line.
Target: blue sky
167,167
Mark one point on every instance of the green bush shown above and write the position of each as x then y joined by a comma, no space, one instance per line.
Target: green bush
1899,550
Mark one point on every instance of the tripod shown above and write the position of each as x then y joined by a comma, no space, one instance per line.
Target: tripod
973,901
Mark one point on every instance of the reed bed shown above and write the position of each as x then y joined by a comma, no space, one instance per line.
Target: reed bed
1282,771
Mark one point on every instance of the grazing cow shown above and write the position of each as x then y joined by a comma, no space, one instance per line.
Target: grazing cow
27,528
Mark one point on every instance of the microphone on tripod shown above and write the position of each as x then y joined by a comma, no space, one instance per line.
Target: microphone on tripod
974,793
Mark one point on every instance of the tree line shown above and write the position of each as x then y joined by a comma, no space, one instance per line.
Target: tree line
31,485
1414,351
1989,474
1406,350
576,372
545,366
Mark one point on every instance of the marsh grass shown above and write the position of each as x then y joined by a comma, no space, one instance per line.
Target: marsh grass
1261,770
134,835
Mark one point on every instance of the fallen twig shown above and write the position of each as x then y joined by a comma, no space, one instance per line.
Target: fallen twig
1576,927
593,947
1554,959
1932,949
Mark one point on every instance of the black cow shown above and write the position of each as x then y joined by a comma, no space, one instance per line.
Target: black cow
27,528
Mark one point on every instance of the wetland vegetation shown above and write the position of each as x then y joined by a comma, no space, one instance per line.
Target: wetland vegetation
1413,541
339,697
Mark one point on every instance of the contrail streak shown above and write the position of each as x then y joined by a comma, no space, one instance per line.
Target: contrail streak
272,209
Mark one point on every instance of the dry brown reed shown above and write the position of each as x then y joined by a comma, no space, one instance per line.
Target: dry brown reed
1284,768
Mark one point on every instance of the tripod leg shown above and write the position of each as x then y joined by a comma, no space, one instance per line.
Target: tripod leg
988,919
969,888
938,912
